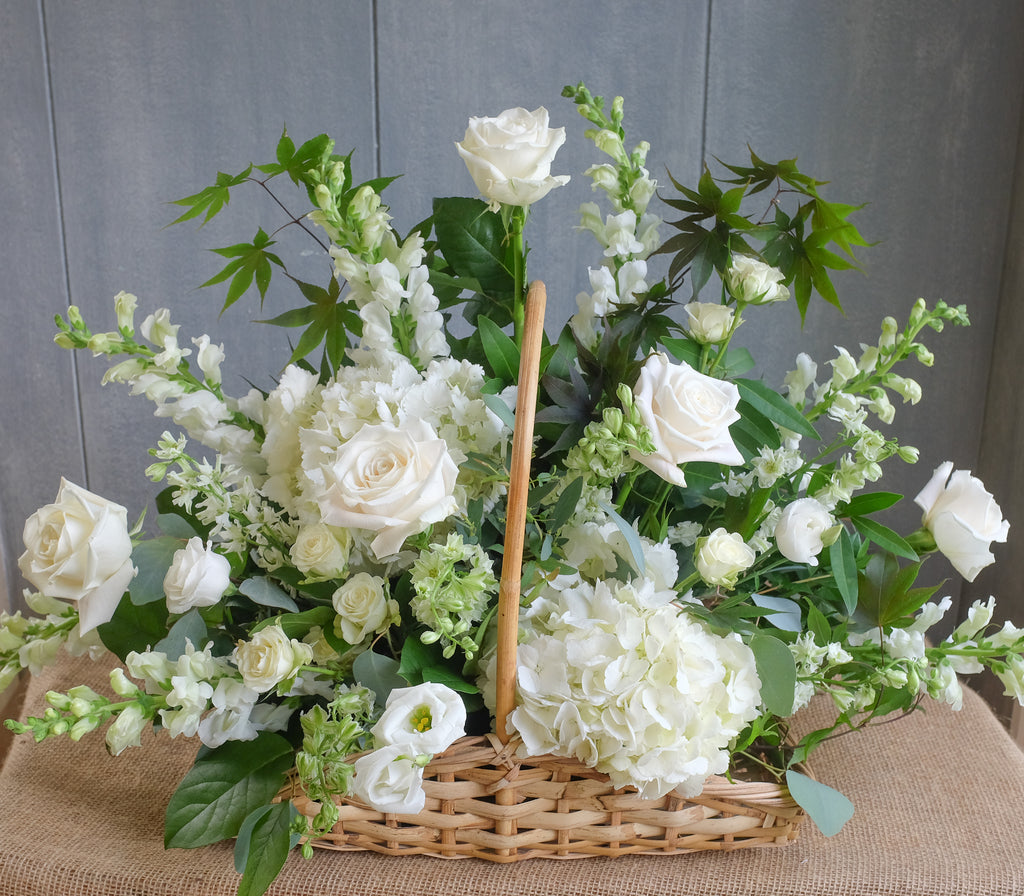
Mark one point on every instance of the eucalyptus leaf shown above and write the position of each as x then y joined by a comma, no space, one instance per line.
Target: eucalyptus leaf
636,549
268,593
777,671
827,807
189,629
786,612
175,526
379,673
152,559
134,627
496,405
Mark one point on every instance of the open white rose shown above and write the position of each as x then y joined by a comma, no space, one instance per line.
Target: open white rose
198,577
269,658
755,282
688,415
79,549
427,718
709,322
362,607
963,518
722,556
394,481
509,157
390,780
799,531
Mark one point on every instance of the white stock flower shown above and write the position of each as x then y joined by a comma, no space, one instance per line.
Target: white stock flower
963,518
389,779
79,549
709,322
362,606
688,415
269,658
392,480
509,157
799,531
755,282
198,577
427,718
722,556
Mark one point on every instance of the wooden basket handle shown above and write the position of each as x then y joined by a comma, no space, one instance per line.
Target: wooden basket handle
515,520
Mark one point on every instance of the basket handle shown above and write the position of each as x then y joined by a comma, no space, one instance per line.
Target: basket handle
515,519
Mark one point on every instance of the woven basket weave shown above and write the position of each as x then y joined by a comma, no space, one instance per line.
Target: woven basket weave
484,801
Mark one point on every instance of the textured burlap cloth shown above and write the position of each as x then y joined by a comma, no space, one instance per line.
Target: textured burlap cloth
939,805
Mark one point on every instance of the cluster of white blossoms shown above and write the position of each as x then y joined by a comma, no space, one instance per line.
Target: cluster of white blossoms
618,677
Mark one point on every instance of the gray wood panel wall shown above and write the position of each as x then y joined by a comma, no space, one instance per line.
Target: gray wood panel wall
112,108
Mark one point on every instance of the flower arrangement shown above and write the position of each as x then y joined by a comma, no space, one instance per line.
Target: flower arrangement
702,553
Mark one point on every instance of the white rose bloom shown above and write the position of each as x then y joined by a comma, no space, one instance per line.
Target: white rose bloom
509,157
390,480
390,780
755,282
198,577
362,607
688,415
963,518
270,657
799,531
709,322
321,552
427,718
79,549
722,556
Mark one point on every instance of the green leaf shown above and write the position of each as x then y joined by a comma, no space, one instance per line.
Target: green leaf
223,787
683,350
496,405
269,844
175,526
565,506
871,502
212,199
777,671
884,537
152,559
827,807
775,407
379,673
243,840
297,625
251,261
134,627
473,241
189,628
267,593
785,614
500,350
843,560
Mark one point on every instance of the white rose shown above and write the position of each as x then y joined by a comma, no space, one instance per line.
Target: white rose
509,157
688,415
427,718
394,481
963,518
710,322
390,780
270,657
198,577
799,531
753,281
722,556
78,549
362,607
321,552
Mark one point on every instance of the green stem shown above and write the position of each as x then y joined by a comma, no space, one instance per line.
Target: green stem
516,225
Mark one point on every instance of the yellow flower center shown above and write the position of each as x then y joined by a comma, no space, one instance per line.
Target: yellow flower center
421,719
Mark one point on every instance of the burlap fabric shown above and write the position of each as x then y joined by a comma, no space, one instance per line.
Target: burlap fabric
939,799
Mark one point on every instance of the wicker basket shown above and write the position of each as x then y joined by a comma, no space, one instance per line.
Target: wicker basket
484,801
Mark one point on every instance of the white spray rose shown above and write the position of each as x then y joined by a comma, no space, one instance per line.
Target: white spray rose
269,658
509,157
709,322
394,481
753,281
963,518
722,556
800,529
321,552
198,577
390,780
362,606
78,549
688,415
427,718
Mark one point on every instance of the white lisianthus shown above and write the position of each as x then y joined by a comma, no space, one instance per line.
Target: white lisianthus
688,415
722,556
755,282
79,549
393,480
363,607
800,530
198,577
710,323
427,718
509,157
320,552
963,518
390,779
126,730
269,658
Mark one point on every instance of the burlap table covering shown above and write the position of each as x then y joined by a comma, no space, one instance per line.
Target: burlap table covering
939,799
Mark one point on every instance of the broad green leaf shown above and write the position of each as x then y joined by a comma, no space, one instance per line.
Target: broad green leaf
134,627
473,241
152,559
242,841
297,625
269,844
872,502
223,787
683,350
268,593
775,407
174,526
500,350
827,807
189,628
843,560
884,537
379,673
785,615
777,671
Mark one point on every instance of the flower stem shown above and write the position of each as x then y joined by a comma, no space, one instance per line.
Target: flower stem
516,224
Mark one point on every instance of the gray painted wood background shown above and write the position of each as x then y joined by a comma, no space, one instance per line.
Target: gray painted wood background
112,108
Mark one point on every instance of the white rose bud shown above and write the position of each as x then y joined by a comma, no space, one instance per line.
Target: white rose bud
198,577
963,518
801,529
79,549
269,658
362,606
722,556
390,780
688,415
509,157
710,323
755,282
427,718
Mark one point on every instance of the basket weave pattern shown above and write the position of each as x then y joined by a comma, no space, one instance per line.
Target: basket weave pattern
484,802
